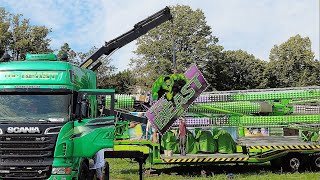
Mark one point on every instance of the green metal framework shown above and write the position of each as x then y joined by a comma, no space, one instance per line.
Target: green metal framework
282,107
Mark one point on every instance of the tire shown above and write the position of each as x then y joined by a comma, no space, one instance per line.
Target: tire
277,163
91,174
106,171
293,163
83,171
315,163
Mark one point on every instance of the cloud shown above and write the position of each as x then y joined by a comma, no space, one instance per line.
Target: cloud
254,26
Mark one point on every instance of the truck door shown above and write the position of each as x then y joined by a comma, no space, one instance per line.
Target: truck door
92,130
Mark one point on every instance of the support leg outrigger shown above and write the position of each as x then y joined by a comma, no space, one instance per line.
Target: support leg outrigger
141,161
137,155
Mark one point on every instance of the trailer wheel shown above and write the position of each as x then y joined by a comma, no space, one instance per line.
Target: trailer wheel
83,171
315,163
277,163
293,163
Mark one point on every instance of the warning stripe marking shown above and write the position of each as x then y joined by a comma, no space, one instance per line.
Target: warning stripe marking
187,160
285,147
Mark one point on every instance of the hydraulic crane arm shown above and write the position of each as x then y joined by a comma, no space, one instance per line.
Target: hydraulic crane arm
139,29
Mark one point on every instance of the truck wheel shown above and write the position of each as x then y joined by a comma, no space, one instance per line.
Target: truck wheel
91,174
83,171
106,171
293,163
315,163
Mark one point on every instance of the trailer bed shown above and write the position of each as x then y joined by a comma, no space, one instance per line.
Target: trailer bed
276,142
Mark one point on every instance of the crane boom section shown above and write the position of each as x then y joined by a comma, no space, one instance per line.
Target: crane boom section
139,29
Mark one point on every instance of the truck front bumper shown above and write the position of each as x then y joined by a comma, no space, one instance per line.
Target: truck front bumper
61,177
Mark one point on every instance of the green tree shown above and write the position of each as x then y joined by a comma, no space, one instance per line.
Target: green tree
232,70
4,31
72,55
123,82
192,39
26,38
18,36
40,43
292,63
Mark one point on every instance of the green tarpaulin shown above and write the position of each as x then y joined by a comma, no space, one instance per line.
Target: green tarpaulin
226,144
192,145
169,142
219,141
206,142
215,131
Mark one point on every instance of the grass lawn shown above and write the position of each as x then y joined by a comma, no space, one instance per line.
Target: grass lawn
127,170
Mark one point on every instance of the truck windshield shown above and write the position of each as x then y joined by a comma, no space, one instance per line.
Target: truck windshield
31,108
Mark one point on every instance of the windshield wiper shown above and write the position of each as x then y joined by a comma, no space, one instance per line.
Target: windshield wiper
44,120
6,120
34,120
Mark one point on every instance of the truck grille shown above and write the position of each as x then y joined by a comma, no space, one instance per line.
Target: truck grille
35,172
26,156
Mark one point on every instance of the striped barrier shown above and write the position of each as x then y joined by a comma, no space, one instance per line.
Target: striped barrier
285,147
201,160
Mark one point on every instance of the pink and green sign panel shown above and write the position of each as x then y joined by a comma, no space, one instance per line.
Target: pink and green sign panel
163,113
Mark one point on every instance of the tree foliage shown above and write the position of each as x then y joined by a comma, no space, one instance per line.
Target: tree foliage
19,37
292,63
235,70
124,82
72,55
4,31
192,39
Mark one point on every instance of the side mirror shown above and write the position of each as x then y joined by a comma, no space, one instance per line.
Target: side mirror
84,108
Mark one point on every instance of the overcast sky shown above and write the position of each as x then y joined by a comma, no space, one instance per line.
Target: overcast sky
252,25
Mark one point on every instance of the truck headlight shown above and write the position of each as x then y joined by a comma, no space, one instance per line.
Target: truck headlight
61,170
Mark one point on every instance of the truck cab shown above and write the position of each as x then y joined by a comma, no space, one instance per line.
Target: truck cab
49,119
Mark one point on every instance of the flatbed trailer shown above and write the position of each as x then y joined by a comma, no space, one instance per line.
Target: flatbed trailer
291,108
249,150
291,153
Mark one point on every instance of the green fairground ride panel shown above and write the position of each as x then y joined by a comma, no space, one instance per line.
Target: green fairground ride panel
264,94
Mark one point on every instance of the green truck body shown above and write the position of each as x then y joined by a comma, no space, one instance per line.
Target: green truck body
59,144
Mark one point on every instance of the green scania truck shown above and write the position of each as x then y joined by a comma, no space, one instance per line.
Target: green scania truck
50,124
47,128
